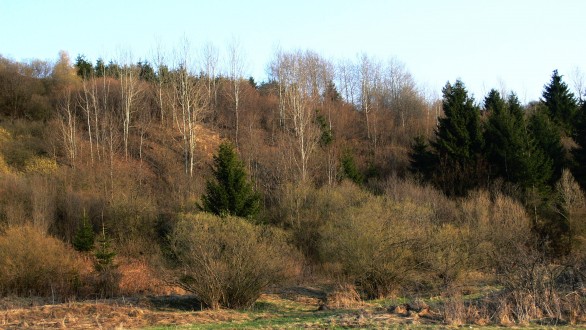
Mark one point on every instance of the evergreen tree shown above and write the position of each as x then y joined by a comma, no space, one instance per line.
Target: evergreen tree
579,153
230,193
84,68
104,254
510,150
458,141
350,170
84,237
421,160
547,138
560,102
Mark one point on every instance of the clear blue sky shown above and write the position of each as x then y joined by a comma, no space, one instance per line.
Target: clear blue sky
486,43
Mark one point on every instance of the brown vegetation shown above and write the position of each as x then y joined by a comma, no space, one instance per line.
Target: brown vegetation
130,150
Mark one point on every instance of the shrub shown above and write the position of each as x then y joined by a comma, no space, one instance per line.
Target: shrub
374,248
35,264
227,262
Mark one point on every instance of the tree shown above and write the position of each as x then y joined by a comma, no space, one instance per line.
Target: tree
236,62
560,102
302,79
84,237
513,153
350,170
230,193
547,138
84,68
458,141
579,152
421,159
187,104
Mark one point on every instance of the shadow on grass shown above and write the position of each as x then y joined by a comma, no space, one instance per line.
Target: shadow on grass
181,303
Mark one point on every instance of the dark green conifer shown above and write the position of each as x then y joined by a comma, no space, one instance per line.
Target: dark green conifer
512,152
421,160
547,138
350,170
579,152
560,102
458,143
230,193
84,237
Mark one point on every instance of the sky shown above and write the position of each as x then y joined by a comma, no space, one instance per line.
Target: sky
511,45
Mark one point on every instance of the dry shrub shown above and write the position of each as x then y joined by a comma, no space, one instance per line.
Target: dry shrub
35,264
227,262
306,210
374,248
344,296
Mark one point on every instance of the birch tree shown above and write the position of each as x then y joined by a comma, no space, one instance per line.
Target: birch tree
188,103
301,80
129,92
67,114
209,59
236,63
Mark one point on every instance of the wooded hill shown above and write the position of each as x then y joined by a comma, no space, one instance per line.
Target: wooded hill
346,168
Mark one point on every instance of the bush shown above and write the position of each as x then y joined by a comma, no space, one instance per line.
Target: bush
227,262
374,247
35,264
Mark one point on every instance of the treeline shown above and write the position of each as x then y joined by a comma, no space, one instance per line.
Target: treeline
524,149
342,170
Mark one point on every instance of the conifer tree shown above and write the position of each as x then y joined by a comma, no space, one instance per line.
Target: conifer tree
547,138
84,237
579,153
510,150
350,170
421,160
458,141
560,102
230,193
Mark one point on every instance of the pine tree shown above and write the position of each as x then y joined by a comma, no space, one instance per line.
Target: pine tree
560,102
458,142
84,237
230,193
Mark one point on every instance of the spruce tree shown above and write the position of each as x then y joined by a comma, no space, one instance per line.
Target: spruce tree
560,102
230,193
349,168
421,160
458,141
579,152
513,153
84,236
547,138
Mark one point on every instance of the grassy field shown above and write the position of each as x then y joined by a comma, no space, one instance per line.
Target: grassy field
289,308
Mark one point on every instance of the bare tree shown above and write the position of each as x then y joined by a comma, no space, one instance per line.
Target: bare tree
236,63
209,58
188,103
347,80
66,111
302,83
160,82
129,92
579,82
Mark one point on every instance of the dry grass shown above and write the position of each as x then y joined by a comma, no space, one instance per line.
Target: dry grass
106,315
